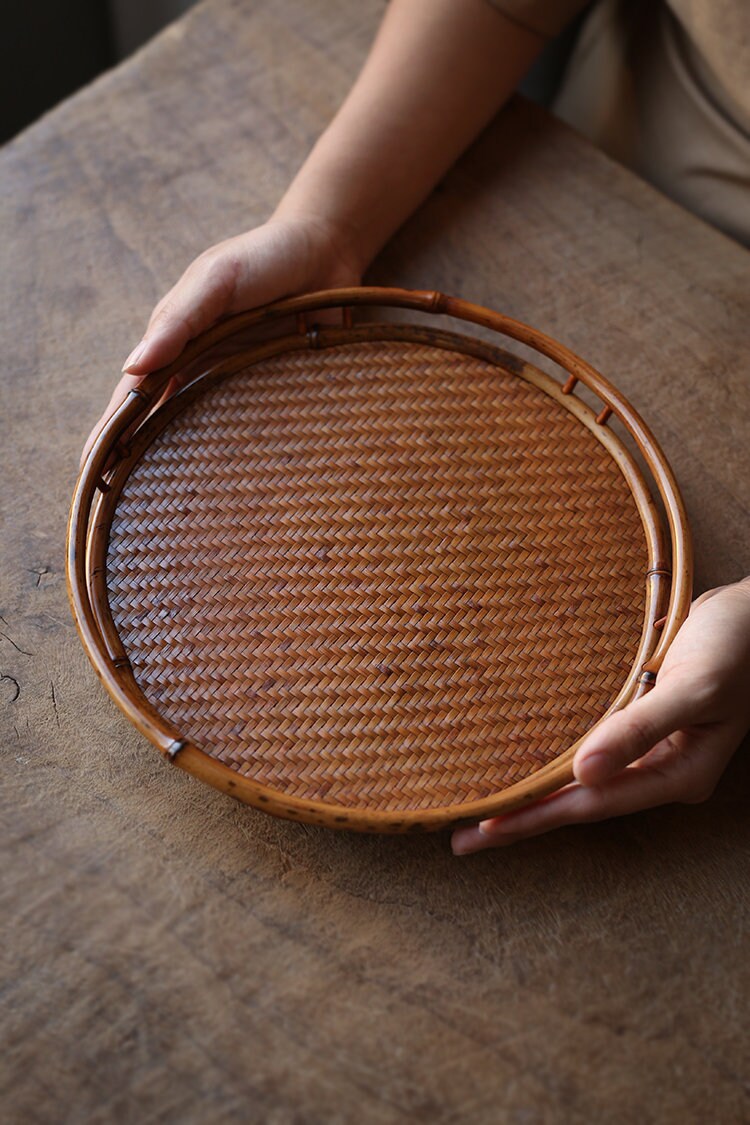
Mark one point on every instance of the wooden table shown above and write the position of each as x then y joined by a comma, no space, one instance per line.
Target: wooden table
173,956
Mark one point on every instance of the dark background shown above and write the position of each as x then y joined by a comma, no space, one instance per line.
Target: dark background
49,49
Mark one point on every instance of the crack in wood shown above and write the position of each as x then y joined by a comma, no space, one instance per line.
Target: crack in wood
54,703
40,572
14,681
11,641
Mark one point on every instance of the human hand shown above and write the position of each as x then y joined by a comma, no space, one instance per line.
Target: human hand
279,259
672,744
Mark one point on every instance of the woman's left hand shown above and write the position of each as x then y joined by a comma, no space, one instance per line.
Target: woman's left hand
673,744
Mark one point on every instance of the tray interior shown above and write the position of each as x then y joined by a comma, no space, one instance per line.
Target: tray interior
381,575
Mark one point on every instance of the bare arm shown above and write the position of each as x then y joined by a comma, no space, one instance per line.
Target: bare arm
437,73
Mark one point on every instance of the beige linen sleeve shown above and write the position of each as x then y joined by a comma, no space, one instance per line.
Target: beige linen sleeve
545,17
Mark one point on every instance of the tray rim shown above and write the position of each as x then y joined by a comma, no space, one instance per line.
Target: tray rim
110,460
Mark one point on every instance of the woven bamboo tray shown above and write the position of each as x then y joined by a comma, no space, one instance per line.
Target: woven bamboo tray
377,576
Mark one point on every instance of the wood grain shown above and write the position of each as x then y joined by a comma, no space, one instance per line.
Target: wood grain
171,956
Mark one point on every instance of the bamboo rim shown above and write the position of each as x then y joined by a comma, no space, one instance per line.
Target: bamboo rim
97,491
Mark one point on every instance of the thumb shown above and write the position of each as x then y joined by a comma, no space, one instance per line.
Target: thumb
240,273
629,734
201,296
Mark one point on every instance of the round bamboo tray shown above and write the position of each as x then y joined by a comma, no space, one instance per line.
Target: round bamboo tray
380,576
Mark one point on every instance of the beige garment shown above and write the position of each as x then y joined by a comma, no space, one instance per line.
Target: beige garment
664,87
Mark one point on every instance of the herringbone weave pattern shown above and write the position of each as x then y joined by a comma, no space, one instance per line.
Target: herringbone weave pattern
380,575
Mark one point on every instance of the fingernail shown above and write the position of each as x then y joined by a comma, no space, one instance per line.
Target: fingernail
461,842
135,355
499,824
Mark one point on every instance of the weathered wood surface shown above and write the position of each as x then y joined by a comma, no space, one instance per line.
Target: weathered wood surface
172,956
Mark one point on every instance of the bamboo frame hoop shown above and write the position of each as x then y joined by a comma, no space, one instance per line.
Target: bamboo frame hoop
394,603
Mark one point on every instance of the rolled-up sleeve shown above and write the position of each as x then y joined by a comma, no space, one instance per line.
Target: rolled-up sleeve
545,17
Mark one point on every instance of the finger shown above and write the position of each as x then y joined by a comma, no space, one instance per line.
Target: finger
631,790
629,734
685,768
706,597
202,295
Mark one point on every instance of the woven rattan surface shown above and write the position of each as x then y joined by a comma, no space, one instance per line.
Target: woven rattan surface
379,575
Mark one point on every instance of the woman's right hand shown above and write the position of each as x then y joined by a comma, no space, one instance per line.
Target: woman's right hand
283,257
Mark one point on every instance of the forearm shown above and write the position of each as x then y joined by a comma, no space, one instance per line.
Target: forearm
437,73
